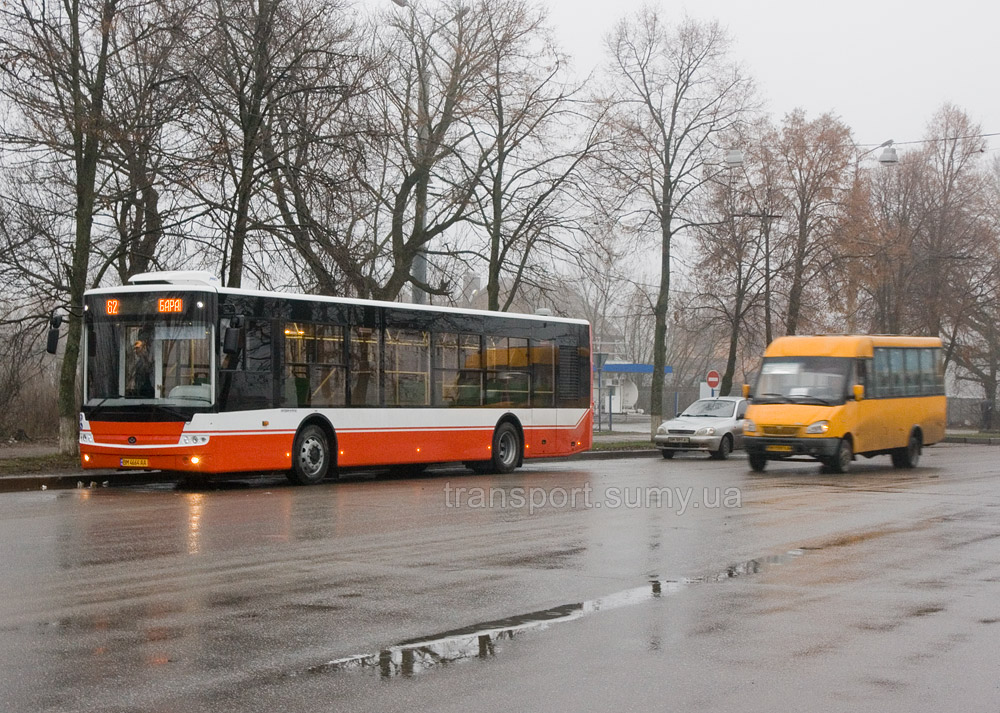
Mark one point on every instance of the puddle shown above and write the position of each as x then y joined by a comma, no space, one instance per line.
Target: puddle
479,641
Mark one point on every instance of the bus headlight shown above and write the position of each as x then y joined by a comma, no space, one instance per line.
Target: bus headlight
749,426
705,431
818,427
194,440
86,437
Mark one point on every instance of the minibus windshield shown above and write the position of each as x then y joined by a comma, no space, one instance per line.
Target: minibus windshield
803,380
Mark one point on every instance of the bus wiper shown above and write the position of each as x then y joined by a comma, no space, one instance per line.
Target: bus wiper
776,398
813,400
167,410
94,409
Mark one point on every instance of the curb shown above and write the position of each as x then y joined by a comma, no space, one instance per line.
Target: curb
71,480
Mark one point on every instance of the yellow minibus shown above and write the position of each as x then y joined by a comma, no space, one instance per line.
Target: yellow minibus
832,398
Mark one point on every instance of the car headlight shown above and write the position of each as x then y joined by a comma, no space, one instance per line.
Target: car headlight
661,430
818,427
705,431
749,426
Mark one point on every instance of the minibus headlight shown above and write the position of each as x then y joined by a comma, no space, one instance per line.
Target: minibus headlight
705,431
818,427
749,426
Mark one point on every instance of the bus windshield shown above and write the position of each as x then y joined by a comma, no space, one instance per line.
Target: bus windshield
803,379
157,359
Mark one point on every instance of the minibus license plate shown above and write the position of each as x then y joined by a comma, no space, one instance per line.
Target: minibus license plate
135,462
780,449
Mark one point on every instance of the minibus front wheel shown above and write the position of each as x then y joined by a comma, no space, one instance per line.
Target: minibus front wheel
841,460
758,462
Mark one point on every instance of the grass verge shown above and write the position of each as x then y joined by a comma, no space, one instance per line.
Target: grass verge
27,465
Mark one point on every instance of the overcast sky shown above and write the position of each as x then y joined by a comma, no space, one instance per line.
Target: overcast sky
884,66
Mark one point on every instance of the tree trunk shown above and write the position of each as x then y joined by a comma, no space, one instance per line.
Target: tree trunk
660,331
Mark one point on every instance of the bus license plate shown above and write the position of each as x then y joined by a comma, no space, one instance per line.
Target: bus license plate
779,449
135,462
678,439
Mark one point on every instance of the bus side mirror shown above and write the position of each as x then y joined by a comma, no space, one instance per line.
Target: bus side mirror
746,391
859,392
231,339
52,343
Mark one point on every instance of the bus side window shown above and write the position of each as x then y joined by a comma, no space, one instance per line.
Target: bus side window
407,367
883,377
860,377
896,372
911,358
927,375
364,366
939,371
543,373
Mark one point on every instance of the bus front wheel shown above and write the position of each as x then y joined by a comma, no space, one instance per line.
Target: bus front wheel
841,460
310,456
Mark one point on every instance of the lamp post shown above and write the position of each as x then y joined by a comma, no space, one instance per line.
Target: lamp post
888,157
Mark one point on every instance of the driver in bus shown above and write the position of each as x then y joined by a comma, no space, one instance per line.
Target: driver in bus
143,374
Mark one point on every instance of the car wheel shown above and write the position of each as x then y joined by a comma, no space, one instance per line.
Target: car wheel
667,453
725,448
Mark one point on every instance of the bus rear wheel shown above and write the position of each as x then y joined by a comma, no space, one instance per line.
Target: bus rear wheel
506,448
310,456
909,456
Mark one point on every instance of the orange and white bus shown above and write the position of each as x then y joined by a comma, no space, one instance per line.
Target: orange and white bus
183,375
831,398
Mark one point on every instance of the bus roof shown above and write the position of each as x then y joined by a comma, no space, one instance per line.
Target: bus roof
148,283
843,345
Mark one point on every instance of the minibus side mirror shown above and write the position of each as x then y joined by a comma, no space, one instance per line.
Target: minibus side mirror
859,392
746,391
52,343
231,339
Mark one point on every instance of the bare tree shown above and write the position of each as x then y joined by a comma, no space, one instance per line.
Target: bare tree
54,59
673,91
523,202
816,155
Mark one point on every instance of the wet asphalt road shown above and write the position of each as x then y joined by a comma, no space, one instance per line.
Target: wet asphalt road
719,590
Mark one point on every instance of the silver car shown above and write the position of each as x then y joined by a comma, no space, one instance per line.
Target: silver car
713,425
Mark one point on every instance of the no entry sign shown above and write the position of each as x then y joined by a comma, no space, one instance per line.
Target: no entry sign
713,379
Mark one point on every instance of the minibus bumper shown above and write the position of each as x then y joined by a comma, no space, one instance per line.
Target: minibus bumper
777,448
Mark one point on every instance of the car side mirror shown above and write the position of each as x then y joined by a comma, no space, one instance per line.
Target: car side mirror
859,392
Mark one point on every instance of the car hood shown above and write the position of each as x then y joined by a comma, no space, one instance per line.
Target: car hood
696,422
790,414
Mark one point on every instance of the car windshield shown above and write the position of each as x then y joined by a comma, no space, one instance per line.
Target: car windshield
150,360
711,408
806,380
